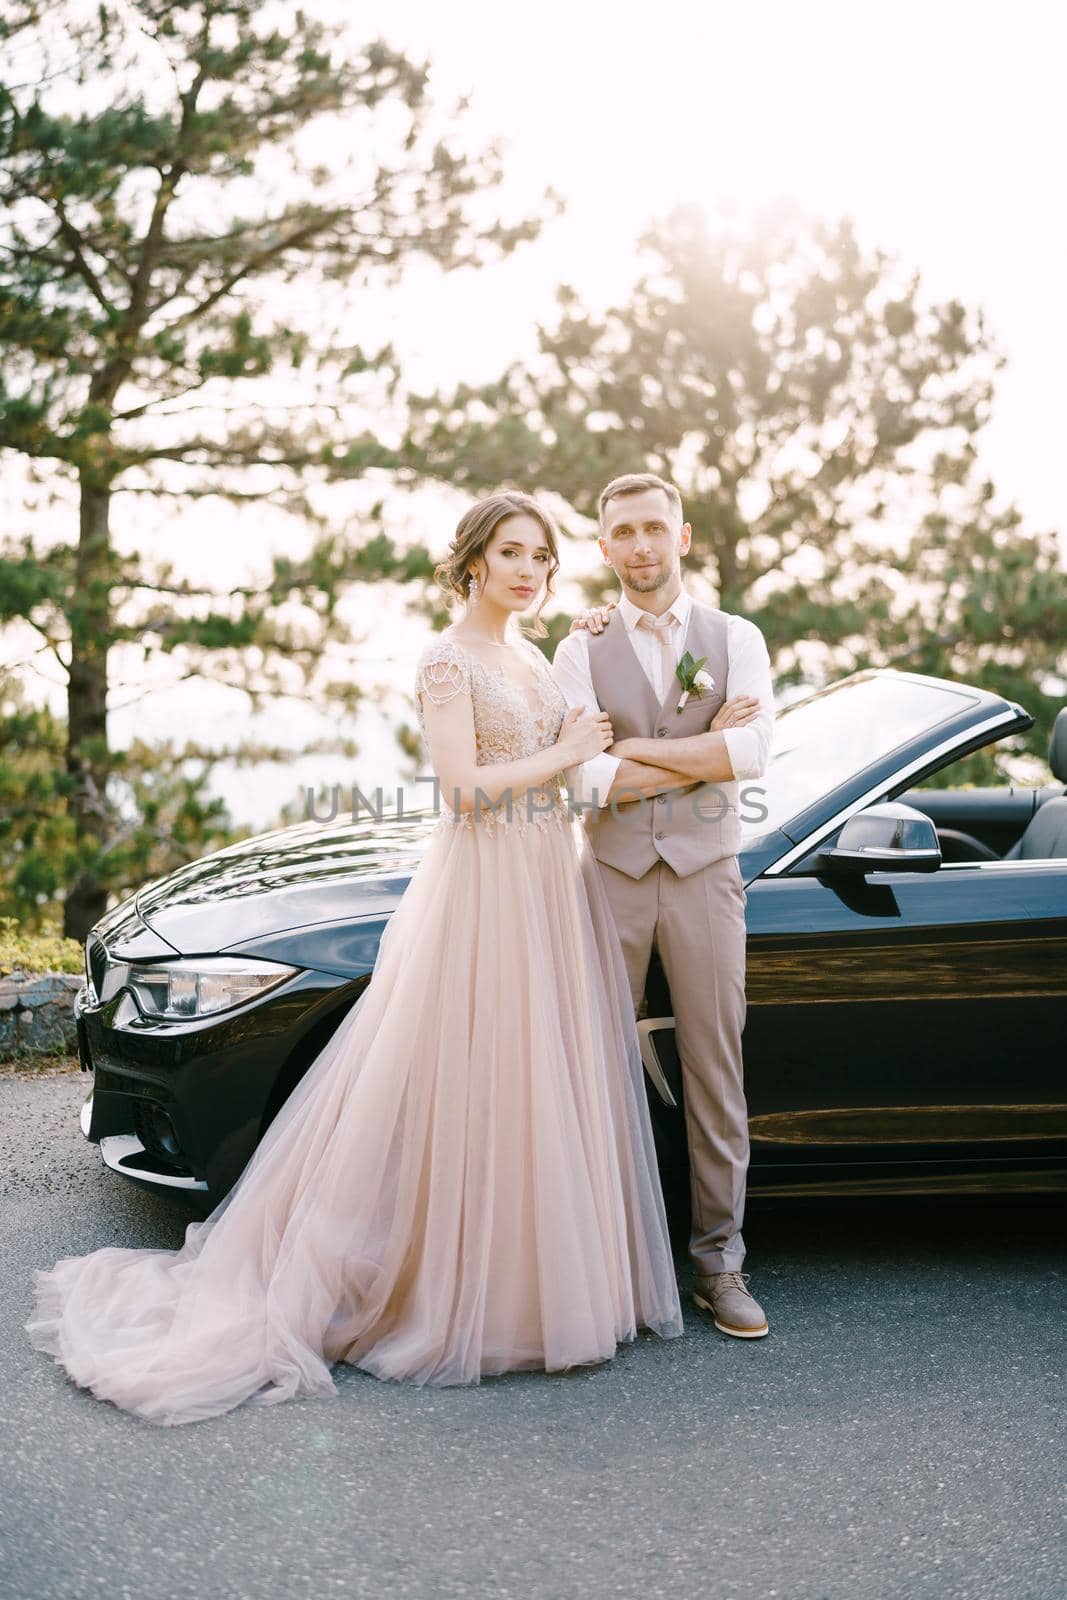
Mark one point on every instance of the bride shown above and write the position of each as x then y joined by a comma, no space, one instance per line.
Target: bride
463,1182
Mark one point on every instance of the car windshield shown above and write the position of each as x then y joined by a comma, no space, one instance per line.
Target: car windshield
828,737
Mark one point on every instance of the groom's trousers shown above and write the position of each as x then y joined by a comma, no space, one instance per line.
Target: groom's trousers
697,925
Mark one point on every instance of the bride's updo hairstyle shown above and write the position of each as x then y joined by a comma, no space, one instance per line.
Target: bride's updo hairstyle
474,531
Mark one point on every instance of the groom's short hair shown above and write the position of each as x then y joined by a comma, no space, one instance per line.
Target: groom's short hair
637,483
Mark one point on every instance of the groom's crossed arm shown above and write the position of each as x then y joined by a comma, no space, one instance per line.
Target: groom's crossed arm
740,747
723,755
608,777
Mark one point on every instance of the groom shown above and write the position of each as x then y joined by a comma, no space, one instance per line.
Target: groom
660,809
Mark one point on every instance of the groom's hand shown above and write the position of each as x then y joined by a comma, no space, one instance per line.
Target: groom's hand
735,713
595,618
731,714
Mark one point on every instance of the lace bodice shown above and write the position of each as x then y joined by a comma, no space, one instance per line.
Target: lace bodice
511,720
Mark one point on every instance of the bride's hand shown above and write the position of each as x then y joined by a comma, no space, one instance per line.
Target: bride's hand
596,618
735,713
583,735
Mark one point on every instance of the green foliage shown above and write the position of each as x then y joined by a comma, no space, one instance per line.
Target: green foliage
163,818
36,834
40,952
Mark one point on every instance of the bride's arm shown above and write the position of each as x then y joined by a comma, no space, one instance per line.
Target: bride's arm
448,715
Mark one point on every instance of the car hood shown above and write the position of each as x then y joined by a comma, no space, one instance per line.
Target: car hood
311,873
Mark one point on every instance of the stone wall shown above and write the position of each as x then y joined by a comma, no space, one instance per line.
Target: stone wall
37,1012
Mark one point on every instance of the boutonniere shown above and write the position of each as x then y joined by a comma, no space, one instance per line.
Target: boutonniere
692,680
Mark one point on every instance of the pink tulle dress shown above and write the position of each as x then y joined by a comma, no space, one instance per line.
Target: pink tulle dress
462,1184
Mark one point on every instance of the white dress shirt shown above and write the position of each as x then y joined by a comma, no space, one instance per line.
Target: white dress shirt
748,672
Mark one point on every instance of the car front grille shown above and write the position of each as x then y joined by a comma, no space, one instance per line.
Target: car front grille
95,962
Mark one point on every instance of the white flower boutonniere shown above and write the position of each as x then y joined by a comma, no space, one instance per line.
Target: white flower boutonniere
692,679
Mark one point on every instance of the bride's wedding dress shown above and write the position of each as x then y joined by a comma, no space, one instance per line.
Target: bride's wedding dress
463,1182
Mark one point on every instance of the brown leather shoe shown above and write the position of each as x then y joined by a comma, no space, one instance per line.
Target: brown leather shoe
735,1310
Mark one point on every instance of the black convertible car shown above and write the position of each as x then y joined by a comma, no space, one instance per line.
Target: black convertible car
906,980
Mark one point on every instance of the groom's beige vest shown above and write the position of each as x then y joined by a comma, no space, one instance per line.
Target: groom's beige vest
687,830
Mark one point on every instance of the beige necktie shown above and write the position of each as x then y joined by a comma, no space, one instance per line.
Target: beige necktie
660,627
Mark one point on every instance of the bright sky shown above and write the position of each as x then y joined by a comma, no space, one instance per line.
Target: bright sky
940,128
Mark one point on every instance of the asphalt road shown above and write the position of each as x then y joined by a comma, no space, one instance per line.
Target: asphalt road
899,1433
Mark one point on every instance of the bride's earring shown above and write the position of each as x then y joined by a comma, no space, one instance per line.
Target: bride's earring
472,593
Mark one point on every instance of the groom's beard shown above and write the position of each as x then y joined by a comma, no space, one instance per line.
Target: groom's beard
648,582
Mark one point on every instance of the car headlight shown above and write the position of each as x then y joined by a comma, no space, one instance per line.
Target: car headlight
202,986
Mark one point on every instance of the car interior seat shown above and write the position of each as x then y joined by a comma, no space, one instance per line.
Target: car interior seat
1045,835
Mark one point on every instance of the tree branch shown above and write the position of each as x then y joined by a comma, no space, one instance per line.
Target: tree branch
255,262
75,244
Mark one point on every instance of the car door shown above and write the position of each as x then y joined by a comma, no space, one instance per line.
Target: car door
908,1022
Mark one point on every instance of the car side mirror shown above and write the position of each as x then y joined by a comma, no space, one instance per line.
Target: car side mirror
891,837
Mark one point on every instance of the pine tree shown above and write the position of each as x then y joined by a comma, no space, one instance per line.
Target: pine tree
821,419
183,250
